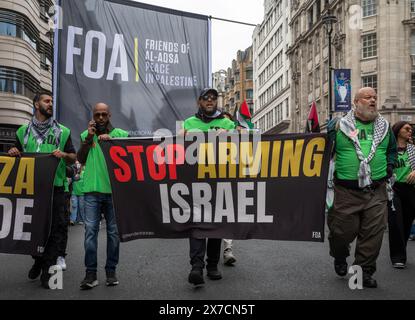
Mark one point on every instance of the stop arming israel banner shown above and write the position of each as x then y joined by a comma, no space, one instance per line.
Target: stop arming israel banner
233,186
26,188
147,63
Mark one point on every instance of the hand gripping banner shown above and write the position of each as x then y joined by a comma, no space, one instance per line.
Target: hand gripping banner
220,186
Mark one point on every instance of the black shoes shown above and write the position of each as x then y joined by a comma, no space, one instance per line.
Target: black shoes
35,271
340,266
368,281
89,281
111,279
44,278
213,273
196,276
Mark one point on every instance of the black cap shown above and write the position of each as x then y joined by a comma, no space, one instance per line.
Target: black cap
207,90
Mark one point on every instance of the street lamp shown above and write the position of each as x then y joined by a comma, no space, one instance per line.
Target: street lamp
329,20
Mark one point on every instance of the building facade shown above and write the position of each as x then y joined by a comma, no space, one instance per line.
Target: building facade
272,74
239,82
373,38
219,82
26,57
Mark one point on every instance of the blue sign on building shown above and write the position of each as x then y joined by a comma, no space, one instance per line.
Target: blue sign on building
342,90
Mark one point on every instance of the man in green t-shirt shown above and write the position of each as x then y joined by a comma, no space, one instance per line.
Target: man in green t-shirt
97,196
45,135
364,153
207,118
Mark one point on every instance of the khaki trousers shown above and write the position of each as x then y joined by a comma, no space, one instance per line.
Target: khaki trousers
360,214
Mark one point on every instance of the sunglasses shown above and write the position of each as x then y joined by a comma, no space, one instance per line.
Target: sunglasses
207,97
408,129
99,114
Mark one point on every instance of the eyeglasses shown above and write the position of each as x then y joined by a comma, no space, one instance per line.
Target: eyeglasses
99,114
207,97
408,129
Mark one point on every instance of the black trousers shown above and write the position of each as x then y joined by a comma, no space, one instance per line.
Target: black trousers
64,239
400,220
58,234
198,249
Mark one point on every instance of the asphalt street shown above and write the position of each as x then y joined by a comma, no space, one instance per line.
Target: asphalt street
158,268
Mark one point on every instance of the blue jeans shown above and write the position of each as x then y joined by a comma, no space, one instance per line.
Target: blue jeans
77,208
95,204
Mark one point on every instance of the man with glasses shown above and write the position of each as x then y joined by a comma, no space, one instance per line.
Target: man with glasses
207,118
97,196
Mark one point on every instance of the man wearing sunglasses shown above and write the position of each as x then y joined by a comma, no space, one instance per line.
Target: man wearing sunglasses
97,196
207,118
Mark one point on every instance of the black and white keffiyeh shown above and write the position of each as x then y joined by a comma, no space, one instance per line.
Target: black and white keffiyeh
348,127
411,155
40,131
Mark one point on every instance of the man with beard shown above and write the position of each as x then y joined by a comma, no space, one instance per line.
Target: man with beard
45,135
364,151
97,196
207,118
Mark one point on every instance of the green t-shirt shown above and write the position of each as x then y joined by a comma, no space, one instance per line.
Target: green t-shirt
96,178
48,146
78,186
195,124
402,166
347,162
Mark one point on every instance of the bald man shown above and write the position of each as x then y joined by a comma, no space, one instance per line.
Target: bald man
97,196
364,153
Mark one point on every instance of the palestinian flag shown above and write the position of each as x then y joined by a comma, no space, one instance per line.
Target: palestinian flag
243,116
312,120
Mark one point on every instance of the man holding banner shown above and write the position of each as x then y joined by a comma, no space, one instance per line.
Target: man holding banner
207,118
45,135
97,196
365,151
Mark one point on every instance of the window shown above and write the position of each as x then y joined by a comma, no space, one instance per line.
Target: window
8,29
249,75
237,95
14,24
369,7
317,77
310,50
326,71
310,82
287,108
249,94
413,43
19,82
370,81
413,89
413,6
369,45
317,44
310,18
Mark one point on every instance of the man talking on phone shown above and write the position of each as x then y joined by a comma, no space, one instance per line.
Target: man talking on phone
97,199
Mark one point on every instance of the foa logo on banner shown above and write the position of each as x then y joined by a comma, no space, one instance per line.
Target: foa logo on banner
160,56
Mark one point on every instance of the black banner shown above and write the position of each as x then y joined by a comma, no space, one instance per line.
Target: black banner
226,186
147,63
26,188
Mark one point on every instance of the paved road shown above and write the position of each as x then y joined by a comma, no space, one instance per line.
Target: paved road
157,269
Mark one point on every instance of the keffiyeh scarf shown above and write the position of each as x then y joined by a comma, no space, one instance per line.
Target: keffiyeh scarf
348,127
40,131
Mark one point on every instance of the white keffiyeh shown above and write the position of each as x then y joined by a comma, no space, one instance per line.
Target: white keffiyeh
348,127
